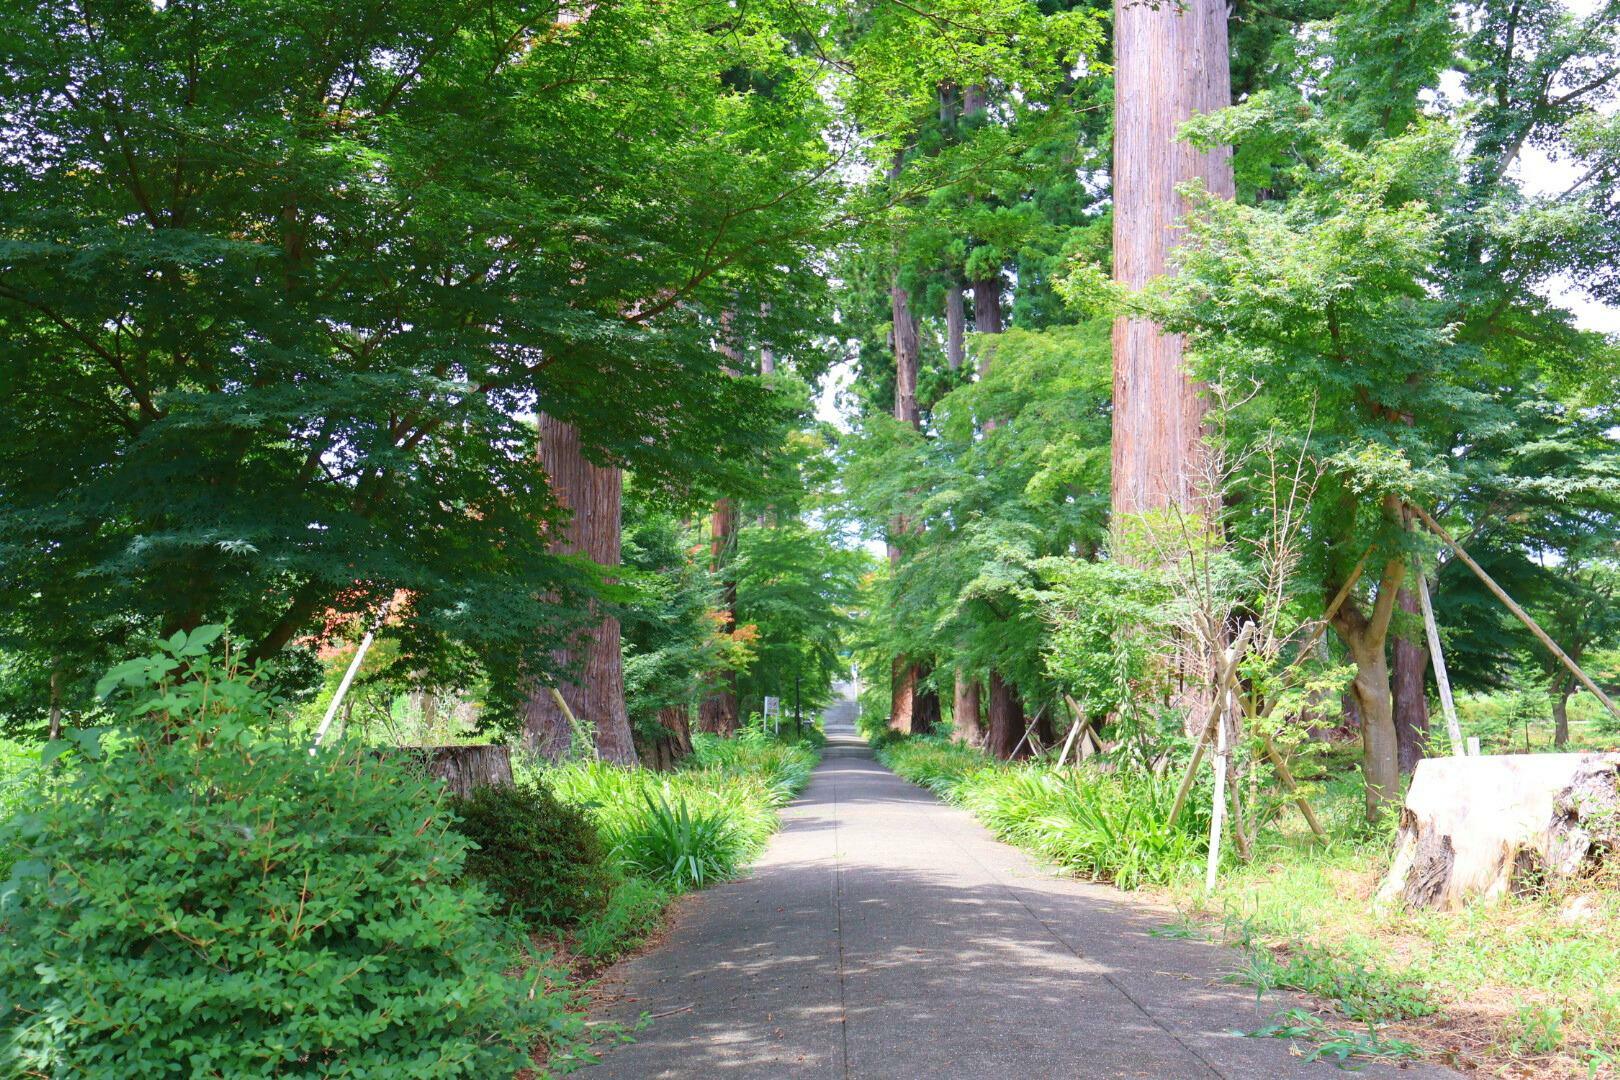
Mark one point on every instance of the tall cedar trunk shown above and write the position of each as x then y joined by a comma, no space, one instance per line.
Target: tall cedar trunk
1410,687
973,103
965,711
1170,62
595,689
987,320
955,324
902,693
906,712
664,750
718,712
1006,719
925,710
987,308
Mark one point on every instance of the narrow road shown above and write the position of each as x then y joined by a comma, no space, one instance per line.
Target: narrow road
884,934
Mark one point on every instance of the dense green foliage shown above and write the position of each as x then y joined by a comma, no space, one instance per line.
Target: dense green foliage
281,283
660,834
199,893
539,855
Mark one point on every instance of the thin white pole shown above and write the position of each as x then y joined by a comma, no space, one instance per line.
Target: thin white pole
348,676
1218,807
1441,679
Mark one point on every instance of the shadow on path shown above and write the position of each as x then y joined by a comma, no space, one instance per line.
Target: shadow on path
884,934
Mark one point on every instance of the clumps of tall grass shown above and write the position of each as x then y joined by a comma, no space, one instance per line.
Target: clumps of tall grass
699,824
1106,826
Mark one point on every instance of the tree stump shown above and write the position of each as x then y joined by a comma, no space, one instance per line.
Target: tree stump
464,768
1481,827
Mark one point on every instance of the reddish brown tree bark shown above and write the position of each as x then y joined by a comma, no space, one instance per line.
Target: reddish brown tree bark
1411,668
718,712
595,689
965,711
904,714
1170,63
665,750
1006,719
955,324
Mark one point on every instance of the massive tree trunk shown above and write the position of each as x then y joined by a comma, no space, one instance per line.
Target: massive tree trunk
910,711
718,712
965,711
594,687
1170,62
987,310
987,320
664,750
926,714
1367,639
1411,697
1006,719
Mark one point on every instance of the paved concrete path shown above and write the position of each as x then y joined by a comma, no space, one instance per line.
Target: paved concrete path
884,934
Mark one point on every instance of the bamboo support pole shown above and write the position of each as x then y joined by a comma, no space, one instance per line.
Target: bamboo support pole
1442,680
1228,664
1286,775
1522,615
1217,810
574,725
348,676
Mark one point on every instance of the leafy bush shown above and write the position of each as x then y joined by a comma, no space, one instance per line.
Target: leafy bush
1106,826
204,897
541,857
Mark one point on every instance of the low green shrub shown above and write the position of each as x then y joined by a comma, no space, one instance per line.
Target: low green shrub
202,896
541,857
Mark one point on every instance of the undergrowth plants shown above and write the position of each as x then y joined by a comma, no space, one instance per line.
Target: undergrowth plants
1107,826
667,833
200,894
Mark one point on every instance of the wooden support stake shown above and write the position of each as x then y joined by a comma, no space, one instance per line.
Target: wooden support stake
1286,775
1228,666
1432,630
1523,616
574,725
1217,810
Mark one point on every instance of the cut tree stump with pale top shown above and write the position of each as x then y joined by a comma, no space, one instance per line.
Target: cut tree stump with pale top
1478,828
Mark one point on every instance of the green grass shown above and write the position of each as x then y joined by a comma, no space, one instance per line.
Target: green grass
668,833
1520,985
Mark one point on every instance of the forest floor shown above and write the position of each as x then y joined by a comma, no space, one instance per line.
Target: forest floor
884,934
